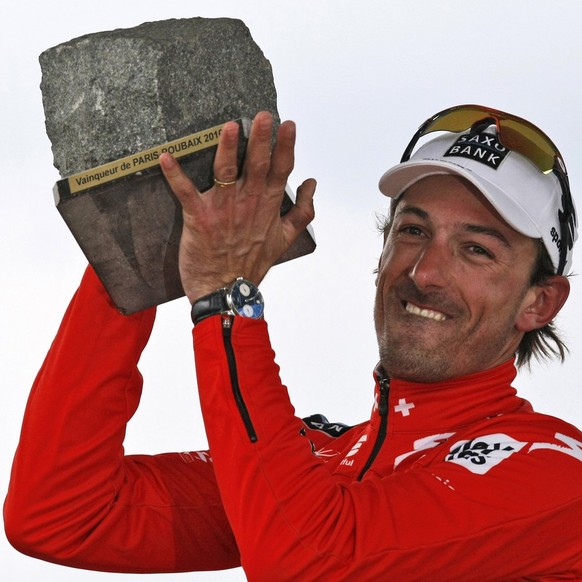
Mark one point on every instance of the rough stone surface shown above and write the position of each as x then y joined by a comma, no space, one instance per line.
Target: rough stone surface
113,94
110,94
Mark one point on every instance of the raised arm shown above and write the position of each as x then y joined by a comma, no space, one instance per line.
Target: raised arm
74,498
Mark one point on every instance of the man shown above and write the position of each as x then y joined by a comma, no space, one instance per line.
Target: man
454,477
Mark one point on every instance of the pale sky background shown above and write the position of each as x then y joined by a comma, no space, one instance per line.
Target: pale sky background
358,78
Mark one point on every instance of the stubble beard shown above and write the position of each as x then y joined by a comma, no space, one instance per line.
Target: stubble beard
409,355
409,360
406,350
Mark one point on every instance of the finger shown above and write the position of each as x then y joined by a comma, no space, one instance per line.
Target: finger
283,157
302,212
225,161
258,155
179,182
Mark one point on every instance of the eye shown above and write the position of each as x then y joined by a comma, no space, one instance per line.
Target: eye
480,251
411,230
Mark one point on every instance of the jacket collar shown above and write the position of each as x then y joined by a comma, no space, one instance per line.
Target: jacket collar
451,404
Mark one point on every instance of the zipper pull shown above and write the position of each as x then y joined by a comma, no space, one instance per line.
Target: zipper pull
384,388
383,400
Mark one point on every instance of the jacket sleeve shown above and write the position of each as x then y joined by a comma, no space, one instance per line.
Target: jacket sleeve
295,520
74,498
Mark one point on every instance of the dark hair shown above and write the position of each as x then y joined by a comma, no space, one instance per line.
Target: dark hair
543,342
540,343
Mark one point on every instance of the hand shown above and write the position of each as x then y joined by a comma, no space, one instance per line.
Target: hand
235,229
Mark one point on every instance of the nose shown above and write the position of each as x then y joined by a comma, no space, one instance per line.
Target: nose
432,265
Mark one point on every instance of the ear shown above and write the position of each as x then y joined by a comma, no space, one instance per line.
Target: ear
542,303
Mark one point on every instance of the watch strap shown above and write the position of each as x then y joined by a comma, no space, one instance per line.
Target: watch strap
211,304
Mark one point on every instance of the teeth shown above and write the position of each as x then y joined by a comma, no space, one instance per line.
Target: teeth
436,315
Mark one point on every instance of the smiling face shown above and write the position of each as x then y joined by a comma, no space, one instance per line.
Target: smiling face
453,289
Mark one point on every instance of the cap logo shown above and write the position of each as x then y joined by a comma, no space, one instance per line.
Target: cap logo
481,147
567,235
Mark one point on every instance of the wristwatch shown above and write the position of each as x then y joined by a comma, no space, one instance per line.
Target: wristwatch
239,299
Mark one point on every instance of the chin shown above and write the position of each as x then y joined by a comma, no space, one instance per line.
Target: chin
415,365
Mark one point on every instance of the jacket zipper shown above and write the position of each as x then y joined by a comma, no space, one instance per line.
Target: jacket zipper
231,359
383,411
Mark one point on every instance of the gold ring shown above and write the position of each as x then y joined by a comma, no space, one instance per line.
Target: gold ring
222,184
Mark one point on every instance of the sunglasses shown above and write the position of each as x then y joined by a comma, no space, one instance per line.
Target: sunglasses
515,134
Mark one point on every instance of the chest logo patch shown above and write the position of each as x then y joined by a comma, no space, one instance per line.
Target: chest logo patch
483,453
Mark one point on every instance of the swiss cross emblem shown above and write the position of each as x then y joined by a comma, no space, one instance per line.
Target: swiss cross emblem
404,407
482,453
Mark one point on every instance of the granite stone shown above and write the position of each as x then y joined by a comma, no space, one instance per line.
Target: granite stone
109,94
116,94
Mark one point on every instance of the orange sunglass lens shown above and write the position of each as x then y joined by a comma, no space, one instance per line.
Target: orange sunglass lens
529,142
514,134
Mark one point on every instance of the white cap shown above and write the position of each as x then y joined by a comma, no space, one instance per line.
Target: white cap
527,199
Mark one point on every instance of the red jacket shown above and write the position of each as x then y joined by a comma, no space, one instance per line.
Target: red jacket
459,480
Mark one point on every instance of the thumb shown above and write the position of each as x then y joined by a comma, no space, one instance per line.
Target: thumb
302,212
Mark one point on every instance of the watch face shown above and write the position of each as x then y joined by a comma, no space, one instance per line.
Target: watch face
245,299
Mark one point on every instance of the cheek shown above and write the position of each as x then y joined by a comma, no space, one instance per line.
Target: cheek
381,270
384,278
379,301
390,262
495,305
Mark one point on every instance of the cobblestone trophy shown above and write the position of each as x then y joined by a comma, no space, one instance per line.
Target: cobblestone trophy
113,102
